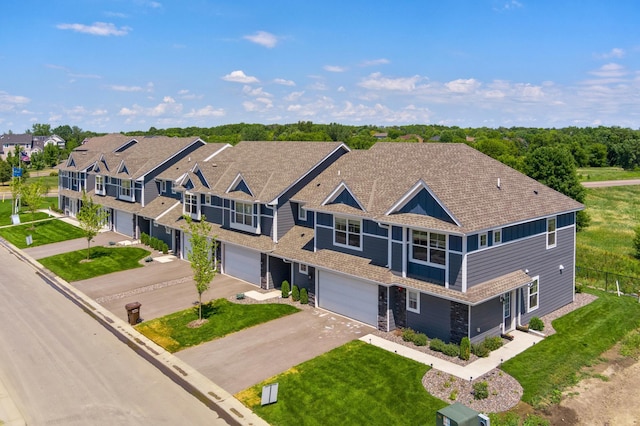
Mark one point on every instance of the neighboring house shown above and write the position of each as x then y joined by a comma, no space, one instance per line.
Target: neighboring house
437,237
119,172
28,144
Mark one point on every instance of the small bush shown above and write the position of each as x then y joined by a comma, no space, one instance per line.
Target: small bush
420,339
436,345
295,293
453,395
480,390
304,296
54,173
579,288
165,248
408,334
451,349
536,323
493,343
144,239
480,350
285,289
465,348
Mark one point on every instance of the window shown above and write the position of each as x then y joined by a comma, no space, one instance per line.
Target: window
429,247
125,190
163,186
506,305
207,199
497,236
302,213
167,230
100,185
243,214
346,232
551,233
191,206
303,269
413,301
483,240
533,293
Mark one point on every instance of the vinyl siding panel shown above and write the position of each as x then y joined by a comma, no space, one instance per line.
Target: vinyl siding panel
488,318
455,271
426,273
285,219
434,318
396,257
303,280
213,214
424,204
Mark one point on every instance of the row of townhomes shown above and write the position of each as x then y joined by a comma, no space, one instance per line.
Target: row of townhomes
436,237
27,144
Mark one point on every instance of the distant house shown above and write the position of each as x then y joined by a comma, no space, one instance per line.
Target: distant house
28,144
380,135
436,237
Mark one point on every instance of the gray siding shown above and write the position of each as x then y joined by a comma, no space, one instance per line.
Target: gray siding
285,218
487,318
213,214
151,190
266,225
160,233
455,271
303,280
279,271
434,318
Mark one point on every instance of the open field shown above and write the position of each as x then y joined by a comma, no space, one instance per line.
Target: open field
597,174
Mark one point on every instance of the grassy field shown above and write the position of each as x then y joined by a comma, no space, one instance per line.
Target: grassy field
171,331
550,366
355,384
45,232
596,174
607,244
6,208
73,266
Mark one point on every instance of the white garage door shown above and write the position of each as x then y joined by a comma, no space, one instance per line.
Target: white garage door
349,297
124,223
186,245
242,263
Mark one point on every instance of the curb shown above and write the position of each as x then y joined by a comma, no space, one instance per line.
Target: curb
9,413
213,396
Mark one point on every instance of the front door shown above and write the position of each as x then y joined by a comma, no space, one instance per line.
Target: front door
507,310
176,246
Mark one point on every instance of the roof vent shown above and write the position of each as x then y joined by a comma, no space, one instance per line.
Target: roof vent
499,183
214,165
535,191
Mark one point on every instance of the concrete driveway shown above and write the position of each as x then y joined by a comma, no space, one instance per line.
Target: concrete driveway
250,356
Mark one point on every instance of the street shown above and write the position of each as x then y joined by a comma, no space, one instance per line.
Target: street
61,366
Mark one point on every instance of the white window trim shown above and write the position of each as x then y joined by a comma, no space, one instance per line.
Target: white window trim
243,226
155,224
537,293
302,213
303,268
163,186
497,241
506,305
208,200
417,308
554,232
131,196
486,240
102,184
196,215
428,246
167,230
347,245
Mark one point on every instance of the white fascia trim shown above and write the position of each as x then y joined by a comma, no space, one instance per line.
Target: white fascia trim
70,161
122,167
412,193
237,180
171,157
334,194
217,152
126,143
168,210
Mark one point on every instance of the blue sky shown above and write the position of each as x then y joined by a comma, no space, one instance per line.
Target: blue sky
120,65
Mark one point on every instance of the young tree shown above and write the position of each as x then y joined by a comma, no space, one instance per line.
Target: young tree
91,218
5,171
32,195
203,248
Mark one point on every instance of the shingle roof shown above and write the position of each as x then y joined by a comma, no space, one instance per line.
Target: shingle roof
268,168
159,206
463,179
196,157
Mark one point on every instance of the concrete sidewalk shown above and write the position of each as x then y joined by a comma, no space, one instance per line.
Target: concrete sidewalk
9,413
521,342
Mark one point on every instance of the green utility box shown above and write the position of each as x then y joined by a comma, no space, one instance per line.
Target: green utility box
457,415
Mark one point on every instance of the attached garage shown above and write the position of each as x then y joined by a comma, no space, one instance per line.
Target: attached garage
124,223
347,296
242,263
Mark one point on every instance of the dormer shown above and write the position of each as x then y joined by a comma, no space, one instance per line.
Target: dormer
343,195
122,168
422,201
198,173
239,184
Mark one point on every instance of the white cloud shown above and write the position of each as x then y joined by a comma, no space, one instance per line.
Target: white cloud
207,111
168,107
342,89
375,81
120,88
240,77
186,94
97,28
616,52
610,70
284,82
374,62
250,91
463,86
263,38
334,68
10,102
509,5
293,96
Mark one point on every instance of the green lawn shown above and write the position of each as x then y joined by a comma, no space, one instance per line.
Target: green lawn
355,384
46,232
73,266
582,336
594,174
607,244
6,210
171,331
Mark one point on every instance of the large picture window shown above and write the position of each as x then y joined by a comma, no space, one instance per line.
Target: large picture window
243,214
347,232
191,205
126,190
533,299
428,247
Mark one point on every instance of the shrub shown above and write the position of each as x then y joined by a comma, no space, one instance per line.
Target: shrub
451,349
165,248
285,289
579,288
493,343
420,339
144,239
465,348
480,390
54,173
304,296
408,334
480,350
436,345
536,323
453,395
295,293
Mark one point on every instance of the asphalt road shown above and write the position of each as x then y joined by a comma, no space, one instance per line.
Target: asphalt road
61,366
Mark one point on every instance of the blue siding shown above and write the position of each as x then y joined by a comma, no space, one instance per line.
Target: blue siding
566,219
472,243
370,227
396,257
265,211
396,233
201,177
226,203
296,215
346,198
304,280
434,318
213,214
424,204
266,225
455,271
325,219
488,318
455,243
242,186
372,247
523,230
425,272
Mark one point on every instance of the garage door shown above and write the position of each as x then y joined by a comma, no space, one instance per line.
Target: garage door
349,297
242,263
124,223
